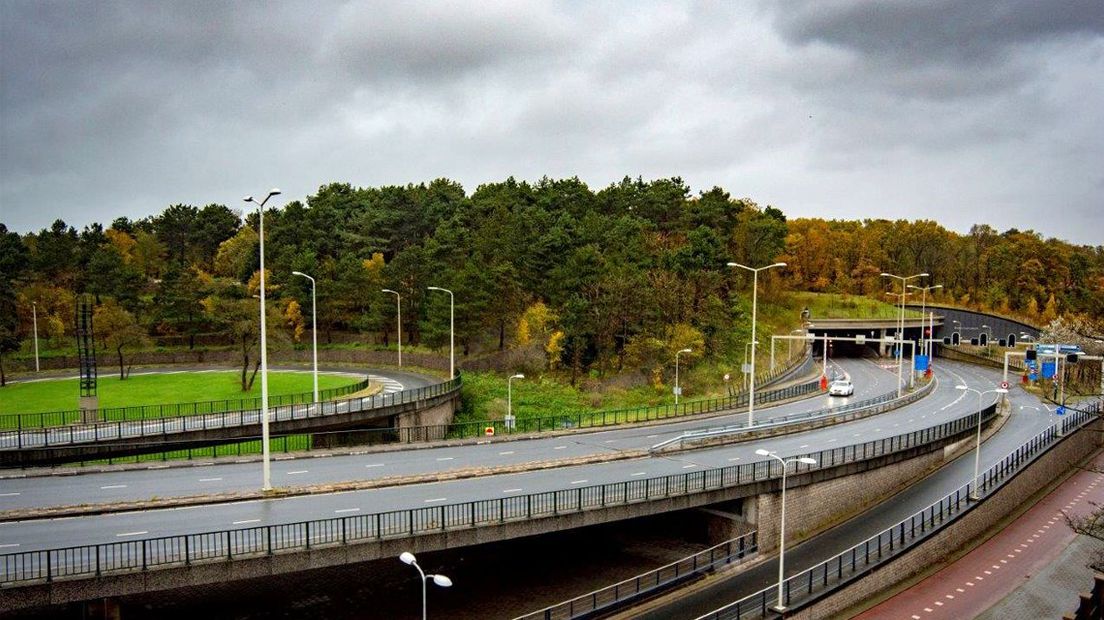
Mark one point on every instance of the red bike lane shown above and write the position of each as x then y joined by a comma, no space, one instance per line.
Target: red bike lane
981,578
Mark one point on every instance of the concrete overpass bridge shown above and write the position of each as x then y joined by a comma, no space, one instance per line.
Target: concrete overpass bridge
139,564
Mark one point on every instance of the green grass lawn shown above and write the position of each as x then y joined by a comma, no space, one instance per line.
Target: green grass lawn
61,394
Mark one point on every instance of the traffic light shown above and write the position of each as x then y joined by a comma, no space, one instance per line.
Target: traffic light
1031,355
1071,358
1002,342
983,340
946,340
974,341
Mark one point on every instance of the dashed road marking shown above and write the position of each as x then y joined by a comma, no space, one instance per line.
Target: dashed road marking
297,472
346,510
139,533
114,486
579,481
246,521
210,479
436,499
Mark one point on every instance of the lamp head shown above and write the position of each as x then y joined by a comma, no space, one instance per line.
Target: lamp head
298,273
273,192
807,460
248,198
407,557
518,376
387,290
762,452
442,581
731,264
886,275
686,351
779,265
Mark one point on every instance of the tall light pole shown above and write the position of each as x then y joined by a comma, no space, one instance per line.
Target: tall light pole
34,317
782,528
754,301
510,400
314,328
440,580
452,330
924,308
265,457
901,329
677,373
398,312
977,449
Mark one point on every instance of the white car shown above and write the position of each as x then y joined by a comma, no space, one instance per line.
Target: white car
841,387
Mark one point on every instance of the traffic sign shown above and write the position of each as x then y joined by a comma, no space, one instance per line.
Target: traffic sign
1004,385
488,431
1061,410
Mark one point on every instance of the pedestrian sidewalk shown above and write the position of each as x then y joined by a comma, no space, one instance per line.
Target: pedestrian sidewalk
1033,568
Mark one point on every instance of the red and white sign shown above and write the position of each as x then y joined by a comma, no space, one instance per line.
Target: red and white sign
1004,385
488,431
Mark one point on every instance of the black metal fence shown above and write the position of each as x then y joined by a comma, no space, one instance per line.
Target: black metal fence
861,559
155,412
729,552
97,560
161,427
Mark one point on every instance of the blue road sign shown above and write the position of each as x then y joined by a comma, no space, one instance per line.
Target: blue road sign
1061,411
921,362
1050,369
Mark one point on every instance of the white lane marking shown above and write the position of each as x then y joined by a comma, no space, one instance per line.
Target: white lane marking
436,499
246,521
831,440
579,481
508,452
9,545
803,446
347,510
735,458
446,458
9,494
510,490
374,465
114,486
689,466
639,473
610,441
559,447
209,479
132,533
297,472
652,436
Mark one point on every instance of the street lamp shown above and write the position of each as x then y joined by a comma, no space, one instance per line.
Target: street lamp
754,301
677,373
452,330
398,312
510,400
265,457
977,450
34,317
924,309
782,528
314,328
440,580
901,329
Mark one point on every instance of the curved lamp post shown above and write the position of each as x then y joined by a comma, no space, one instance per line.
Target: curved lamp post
977,449
754,300
782,529
398,313
314,328
440,580
677,373
452,329
510,399
924,312
265,457
901,327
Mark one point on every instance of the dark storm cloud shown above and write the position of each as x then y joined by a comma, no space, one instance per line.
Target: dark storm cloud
835,109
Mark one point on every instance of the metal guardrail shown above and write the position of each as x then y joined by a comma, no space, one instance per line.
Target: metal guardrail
152,412
160,427
144,554
890,400
841,569
729,552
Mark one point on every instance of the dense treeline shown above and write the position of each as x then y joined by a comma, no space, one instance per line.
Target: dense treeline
581,280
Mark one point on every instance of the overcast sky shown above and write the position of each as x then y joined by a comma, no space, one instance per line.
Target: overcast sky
962,112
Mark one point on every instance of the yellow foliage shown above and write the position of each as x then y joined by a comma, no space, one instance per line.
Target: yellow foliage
537,321
293,314
554,348
375,264
121,243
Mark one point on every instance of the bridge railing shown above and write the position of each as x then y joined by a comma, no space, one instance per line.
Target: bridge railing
851,564
170,410
139,555
161,427
729,552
